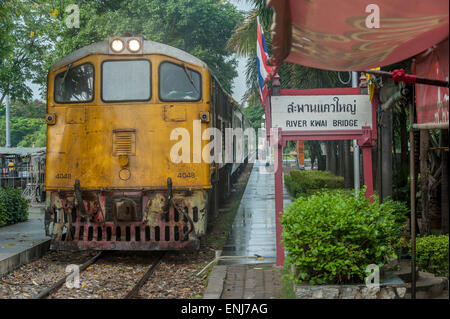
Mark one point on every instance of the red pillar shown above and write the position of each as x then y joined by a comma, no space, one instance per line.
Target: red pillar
366,143
368,176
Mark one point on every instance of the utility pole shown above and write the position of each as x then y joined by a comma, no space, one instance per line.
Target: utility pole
355,144
8,133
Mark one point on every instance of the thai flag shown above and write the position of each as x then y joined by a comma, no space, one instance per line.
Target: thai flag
264,71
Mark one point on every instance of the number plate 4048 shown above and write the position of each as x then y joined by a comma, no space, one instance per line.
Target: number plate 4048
64,175
186,175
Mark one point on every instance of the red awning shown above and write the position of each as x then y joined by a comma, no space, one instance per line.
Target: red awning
332,34
432,102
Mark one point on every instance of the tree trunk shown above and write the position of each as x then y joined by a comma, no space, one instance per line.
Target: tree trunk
340,147
403,138
444,183
386,155
328,150
333,158
424,146
377,160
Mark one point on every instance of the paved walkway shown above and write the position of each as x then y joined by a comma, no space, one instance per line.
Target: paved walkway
252,234
22,242
252,282
253,229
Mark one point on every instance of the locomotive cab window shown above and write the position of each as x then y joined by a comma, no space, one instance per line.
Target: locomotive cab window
126,80
75,84
178,83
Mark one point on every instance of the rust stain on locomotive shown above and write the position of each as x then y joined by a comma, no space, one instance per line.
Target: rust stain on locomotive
126,220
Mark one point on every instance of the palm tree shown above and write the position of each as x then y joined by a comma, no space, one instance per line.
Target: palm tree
243,43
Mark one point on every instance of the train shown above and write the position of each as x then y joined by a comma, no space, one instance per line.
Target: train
114,180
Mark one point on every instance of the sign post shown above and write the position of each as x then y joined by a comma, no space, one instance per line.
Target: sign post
317,114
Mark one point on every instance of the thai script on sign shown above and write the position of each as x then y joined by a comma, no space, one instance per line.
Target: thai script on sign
335,107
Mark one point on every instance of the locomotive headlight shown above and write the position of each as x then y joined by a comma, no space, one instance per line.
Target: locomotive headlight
134,45
117,45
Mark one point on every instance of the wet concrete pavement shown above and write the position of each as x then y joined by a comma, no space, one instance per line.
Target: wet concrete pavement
253,230
22,242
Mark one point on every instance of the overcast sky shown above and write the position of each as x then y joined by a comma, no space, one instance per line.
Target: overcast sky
239,83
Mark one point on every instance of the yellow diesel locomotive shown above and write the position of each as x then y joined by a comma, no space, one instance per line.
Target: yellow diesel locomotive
111,183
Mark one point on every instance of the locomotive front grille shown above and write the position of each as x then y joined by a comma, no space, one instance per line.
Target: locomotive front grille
126,221
82,232
124,142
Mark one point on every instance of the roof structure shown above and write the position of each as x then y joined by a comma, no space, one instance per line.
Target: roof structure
148,47
21,151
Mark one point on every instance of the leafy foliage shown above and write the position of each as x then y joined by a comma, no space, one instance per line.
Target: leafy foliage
243,42
34,34
13,207
432,254
27,124
22,47
331,236
305,182
200,27
254,114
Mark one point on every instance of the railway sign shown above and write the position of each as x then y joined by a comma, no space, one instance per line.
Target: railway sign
321,112
318,114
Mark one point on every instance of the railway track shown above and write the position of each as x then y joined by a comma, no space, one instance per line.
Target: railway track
131,294
134,292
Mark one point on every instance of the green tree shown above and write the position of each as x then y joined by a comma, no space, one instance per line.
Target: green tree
32,109
200,27
23,42
24,131
28,127
243,43
254,113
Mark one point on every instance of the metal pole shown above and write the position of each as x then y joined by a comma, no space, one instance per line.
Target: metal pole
412,177
279,202
8,134
355,144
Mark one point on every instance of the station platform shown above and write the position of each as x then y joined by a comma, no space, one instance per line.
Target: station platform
20,243
247,268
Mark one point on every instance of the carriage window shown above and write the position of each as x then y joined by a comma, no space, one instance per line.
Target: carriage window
178,83
75,84
126,80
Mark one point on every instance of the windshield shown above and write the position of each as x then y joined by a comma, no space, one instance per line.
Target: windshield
75,84
178,83
126,80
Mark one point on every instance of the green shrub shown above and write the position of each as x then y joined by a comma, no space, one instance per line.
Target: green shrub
331,236
307,182
13,207
432,254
